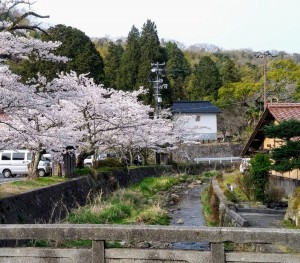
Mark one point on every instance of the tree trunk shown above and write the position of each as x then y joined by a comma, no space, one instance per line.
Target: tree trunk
144,153
81,156
33,165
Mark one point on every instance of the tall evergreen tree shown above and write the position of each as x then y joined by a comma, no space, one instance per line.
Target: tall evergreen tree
286,157
112,64
229,72
205,80
177,69
129,65
84,58
150,53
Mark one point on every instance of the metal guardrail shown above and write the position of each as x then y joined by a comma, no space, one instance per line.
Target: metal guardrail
218,160
98,234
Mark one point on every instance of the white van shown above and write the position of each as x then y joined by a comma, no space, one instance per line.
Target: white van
13,162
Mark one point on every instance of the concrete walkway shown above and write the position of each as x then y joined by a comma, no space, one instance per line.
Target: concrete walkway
263,220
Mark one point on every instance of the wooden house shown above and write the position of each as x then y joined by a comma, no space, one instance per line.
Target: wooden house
258,142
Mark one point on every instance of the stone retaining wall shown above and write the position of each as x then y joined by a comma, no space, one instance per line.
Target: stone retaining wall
227,210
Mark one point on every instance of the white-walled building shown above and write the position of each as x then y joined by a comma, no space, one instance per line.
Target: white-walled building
195,120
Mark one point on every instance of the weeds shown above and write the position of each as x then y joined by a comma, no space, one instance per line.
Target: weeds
206,207
18,187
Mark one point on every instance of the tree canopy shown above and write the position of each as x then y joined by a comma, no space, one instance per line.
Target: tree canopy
287,156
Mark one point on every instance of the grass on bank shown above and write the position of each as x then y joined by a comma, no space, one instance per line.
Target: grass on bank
17,187
138,204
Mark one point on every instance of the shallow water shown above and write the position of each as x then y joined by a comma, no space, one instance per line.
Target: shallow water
188,212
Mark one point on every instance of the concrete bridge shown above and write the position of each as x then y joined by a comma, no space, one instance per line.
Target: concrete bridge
98,234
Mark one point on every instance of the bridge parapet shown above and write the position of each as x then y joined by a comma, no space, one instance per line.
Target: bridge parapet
98,234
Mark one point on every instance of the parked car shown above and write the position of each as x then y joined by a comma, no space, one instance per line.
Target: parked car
90,159
13,162
48,157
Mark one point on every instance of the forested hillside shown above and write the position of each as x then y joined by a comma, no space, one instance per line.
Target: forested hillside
232,79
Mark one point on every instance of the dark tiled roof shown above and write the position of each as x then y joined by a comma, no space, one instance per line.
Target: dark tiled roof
194,107
285,111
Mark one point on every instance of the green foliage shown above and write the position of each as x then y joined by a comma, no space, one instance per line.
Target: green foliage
205,80
83,171
286,157
129,64
259,172
177,70
229,72
151,185
210,214
137,204
231,196
150,53
245,184
84,58
210,174
282,73
109,162
112,64
40,182
285,130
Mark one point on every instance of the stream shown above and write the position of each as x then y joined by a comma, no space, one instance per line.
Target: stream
188,212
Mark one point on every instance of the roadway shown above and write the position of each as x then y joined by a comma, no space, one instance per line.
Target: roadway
10,179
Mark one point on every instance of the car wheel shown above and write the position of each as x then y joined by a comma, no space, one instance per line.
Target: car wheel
41,172
6,173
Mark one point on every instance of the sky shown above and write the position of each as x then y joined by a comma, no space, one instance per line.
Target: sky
258,25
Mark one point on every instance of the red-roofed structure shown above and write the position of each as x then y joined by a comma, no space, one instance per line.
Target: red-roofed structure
258,142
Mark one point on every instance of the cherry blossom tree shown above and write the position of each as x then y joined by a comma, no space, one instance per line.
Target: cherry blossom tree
70,110
32,118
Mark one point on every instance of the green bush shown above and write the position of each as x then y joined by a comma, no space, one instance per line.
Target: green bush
109,162
259,172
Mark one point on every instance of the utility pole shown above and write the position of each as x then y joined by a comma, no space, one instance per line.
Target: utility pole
158,85
265,55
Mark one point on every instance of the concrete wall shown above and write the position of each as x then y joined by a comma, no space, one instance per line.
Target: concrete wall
227,210
288,184
50,204
192,126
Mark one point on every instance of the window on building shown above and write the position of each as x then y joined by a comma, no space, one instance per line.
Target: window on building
198,118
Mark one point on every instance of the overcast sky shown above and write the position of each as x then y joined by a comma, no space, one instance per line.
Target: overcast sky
230,24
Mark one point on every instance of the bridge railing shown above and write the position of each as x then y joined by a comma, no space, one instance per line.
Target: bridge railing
218,160
98,234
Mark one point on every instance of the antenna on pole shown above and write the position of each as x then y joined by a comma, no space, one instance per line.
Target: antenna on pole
158,85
